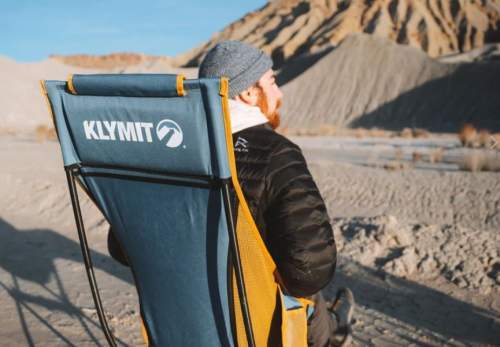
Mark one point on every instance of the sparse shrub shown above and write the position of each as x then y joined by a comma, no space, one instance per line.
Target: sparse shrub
398,154
7,131
416,156
327,129
420,133
406,133
467,135
376,132
436,156
44,133
484,138
478,160
394,165
495,141
360,133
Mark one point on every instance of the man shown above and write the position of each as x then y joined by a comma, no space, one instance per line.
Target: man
282,196
280,191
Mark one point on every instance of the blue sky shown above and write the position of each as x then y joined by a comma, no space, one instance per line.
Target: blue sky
30,30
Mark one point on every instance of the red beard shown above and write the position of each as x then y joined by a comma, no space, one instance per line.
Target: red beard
274,117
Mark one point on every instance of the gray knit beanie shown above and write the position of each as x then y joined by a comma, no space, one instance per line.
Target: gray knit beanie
241,63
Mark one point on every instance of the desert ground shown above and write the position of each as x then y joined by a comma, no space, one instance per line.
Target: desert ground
418,243
416,218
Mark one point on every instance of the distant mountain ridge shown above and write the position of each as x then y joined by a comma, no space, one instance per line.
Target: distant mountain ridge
289,28
286,29
109,61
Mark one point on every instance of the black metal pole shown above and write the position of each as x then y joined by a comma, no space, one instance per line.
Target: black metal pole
237,265
86,256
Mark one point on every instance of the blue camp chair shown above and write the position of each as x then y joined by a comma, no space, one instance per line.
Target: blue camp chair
155,153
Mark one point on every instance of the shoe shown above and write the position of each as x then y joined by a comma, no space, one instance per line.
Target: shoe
342,309
342,337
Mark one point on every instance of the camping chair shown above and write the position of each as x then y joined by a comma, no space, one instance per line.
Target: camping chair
155,154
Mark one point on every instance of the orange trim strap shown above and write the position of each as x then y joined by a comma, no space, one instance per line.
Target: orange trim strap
180,85
70,85
47,102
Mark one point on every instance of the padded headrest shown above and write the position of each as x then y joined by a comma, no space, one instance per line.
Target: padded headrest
139,85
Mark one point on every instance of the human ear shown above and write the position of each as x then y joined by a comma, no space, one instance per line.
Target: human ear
249,96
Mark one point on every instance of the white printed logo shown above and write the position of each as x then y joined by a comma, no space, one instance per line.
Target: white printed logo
169,132
116,130
241,145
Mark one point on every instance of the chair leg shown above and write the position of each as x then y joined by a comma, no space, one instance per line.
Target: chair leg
70,175
237,265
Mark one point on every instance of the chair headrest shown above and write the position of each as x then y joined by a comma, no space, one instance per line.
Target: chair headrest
138,85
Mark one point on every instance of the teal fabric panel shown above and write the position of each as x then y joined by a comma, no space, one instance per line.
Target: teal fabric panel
176,240
141,85
166,134
159,134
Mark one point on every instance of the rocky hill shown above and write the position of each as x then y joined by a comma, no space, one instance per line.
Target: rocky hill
288,28
372,82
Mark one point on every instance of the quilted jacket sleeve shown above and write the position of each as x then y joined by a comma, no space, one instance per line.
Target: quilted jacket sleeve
300,233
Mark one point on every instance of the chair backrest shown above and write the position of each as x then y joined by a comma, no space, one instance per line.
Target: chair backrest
155,153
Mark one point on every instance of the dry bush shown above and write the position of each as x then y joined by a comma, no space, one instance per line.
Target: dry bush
7,131
406,133
436,156
495,141
376,132
327,129
479,160
413,133
416,156
394,165
44,133
467,135
484,138
398,154
473,138
420,133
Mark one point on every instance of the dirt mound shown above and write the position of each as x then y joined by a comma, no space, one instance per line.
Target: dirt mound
24,109
372,82
468,258
288,28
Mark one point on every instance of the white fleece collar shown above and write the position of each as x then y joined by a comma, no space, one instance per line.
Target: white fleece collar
244,116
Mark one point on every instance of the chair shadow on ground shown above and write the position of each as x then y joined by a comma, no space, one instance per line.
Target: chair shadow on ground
40,248
422,307
404,300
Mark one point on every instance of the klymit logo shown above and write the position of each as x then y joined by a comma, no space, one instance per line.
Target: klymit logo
169,132
113,130
241,145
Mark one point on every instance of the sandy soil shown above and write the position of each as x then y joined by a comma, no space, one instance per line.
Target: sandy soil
418,246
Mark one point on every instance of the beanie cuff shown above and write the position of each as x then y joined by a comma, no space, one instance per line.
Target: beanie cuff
250,76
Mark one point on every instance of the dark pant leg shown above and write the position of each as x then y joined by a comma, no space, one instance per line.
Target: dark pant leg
321,324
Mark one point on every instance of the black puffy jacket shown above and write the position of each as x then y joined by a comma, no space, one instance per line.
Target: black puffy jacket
287,207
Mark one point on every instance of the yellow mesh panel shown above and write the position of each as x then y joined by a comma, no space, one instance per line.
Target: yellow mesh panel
260,285
258,268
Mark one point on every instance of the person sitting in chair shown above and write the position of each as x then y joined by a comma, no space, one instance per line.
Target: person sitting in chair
281,193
